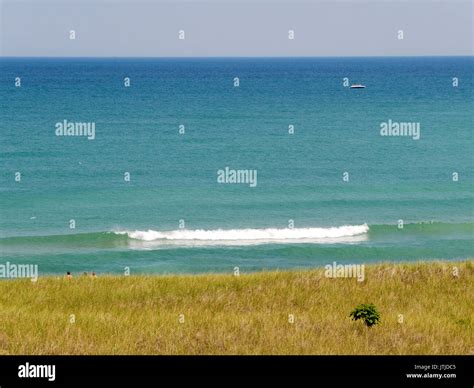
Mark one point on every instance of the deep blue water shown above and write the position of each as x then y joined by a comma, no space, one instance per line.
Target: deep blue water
174,176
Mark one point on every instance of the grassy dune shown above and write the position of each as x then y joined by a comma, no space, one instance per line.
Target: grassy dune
249,314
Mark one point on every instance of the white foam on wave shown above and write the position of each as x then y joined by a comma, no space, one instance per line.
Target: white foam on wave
249,236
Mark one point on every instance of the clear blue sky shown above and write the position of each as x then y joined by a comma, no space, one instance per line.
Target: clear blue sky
235,28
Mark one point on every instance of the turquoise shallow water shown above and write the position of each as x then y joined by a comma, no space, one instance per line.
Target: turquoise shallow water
174,177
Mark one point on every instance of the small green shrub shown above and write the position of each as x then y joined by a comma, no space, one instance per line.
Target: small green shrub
367,312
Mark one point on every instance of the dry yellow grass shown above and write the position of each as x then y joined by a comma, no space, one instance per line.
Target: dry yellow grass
249,314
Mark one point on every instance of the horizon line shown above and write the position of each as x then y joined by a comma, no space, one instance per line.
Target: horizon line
233,57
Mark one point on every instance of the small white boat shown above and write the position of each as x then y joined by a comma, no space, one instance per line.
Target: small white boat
357,86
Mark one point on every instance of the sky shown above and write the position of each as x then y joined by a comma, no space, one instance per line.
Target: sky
150,28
